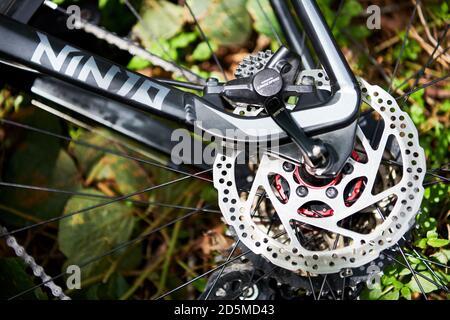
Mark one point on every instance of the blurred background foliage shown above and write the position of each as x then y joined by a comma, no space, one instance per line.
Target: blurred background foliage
235,29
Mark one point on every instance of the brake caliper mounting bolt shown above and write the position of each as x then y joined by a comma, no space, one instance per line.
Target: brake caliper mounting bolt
287,166
302,191
212,82
331,192
348,168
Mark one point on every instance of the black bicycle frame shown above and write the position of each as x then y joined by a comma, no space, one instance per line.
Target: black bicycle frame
23,44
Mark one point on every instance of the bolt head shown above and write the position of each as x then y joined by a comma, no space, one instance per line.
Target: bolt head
302,191
331,192
348,168
212,81
289,167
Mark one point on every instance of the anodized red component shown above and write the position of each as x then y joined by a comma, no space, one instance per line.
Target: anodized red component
353,196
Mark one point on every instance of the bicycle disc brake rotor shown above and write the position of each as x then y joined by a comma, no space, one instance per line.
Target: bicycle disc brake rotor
324,227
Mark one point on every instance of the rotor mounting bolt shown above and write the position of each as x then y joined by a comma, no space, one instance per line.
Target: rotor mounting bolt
348,168
287,166
331,192
302,191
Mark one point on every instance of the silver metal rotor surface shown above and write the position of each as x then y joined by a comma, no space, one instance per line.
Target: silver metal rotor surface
391,207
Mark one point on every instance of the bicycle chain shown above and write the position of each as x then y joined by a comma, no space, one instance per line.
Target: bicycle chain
38,270
133,49
130,46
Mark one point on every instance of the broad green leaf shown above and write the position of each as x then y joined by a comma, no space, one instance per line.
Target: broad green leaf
87,157
373,294
437,243
392,295
426,285
138,63
37,160
126,175
89,234
264,20
162,48
14,278
202,52
404,272
440,256
111,290
432,234
160,20
223,22
183,39
406,293
421,243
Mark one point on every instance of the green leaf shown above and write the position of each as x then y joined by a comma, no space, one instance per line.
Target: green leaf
421,243
85,156
223,22
373,294
264,20
440,256
406,293
203,52
397,284
209,195
86,235
37,160
111,290
126,174
437,243
426,285
392,295
183,40
404,272
14,279
160,20
138,63
432,234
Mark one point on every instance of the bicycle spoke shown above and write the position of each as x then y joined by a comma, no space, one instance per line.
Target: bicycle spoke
418,274
222,269
99,196
102,204
99,148
405,40
209,271
263,276
417,256
261,198
430,60
110,252
431,172
420,70
325,281
404,257
203,275
311,285
150,33
337,15
426,85
432,183
205,38
272,27
426,265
